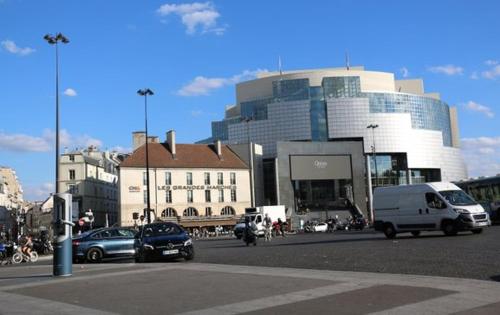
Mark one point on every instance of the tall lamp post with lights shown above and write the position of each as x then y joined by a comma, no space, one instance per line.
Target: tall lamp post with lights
374,151
54,40
145,92
62,212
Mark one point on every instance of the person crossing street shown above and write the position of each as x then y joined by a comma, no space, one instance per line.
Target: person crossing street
268,224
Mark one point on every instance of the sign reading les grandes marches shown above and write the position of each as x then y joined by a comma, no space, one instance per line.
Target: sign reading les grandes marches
196,187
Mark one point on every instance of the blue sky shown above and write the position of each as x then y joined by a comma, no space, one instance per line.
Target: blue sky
192,53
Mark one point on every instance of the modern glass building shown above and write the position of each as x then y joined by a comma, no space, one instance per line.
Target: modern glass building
417,135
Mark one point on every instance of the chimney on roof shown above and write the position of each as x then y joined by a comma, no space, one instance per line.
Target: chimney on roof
138,139
218,149
153,139
171,143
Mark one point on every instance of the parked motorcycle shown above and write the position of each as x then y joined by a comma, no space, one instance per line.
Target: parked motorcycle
43,247
357,223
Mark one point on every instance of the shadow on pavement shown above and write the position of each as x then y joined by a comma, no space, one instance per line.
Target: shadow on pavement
26,277
495,278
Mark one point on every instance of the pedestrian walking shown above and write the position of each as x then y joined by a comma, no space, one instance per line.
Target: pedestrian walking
268,224
282,227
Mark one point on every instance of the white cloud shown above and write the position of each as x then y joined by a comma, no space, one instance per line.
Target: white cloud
473,106
474,76
38,192
194,16
482,155
120,149
45,142
11,47
196,113
447,69
70,92
493,73
23,143
404,72
491,62
203,85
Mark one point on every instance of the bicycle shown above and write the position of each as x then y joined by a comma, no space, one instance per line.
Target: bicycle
19,256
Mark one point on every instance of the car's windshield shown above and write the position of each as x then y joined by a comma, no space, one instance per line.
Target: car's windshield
163,229
458,198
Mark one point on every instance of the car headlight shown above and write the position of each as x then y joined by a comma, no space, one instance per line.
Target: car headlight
462,211
148,246
189,242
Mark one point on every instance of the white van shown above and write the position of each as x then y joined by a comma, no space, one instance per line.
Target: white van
427,207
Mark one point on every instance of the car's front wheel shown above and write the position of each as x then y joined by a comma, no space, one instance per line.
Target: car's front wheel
389,231
94,255
189,254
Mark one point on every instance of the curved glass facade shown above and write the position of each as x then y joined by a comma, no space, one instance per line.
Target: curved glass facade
426,113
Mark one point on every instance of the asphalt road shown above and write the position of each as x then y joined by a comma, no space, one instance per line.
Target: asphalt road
433,254
463,256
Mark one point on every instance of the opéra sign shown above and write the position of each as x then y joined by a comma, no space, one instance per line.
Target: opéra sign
196,187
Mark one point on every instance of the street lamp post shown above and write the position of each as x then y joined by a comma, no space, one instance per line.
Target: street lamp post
374,151
54,40
145,93
247,120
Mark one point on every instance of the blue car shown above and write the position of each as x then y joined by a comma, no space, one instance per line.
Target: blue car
92,246
163,240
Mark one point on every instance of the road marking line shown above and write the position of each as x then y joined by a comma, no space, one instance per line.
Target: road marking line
449,304
278,300
21,304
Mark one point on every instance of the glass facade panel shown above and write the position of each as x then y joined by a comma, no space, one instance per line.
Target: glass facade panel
291,90
255,109
426,113
336,87
318,115
391,169
219,128
322,195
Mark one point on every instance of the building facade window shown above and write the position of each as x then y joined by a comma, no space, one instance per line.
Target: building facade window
72,158
169,213
168,198
71,174
207,178
189,178
208,197
145,196
220,179
144,178
227,210
1,189
208,211
190,196
73,189
168,178
233,195
232,177
190,212
221,195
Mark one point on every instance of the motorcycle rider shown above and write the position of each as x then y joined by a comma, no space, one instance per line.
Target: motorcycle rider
249,234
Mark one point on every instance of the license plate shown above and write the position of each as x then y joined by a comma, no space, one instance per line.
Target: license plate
482,223
170,252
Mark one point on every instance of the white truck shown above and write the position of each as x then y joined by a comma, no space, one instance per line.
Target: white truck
257,215
427,207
